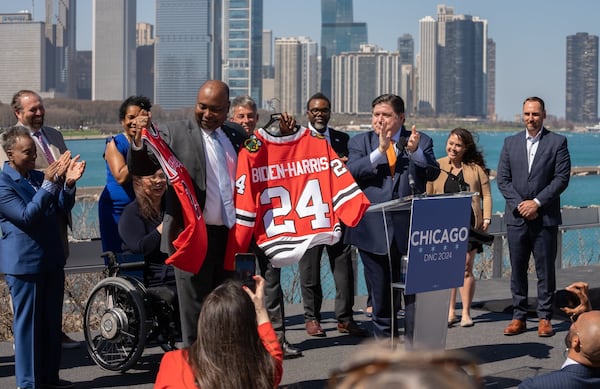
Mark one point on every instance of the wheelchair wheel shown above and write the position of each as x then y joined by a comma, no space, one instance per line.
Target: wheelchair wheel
115,324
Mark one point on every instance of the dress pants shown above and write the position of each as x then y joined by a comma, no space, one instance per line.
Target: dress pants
273,292
379,277
192,289
37,305
532,237
340,260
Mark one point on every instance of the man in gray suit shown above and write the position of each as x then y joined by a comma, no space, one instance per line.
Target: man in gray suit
196,142
29,111
533,171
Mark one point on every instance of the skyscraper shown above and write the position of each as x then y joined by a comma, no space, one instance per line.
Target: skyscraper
242,47
361,75
406,48
60,46
491,79
339,33
267,54
26,70
295,73
113,49
427,89
453,66
582,78
144,73
187,37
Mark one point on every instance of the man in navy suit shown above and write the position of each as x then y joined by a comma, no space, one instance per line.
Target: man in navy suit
533,171
581,370
370,160
318,112
195,143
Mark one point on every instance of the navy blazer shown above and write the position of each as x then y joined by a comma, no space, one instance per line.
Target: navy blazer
378,186
572,377
30,240
549,177
339,142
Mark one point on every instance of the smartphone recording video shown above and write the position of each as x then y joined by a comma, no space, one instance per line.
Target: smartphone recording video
245,267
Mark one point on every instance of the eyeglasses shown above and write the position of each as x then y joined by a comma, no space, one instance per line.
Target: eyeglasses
317,111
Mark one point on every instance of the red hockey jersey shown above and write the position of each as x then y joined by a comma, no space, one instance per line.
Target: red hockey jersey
291,193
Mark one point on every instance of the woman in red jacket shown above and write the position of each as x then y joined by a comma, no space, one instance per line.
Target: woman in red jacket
236,345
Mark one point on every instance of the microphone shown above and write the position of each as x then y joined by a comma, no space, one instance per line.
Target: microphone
401,147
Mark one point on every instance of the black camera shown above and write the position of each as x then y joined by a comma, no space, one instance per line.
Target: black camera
565,299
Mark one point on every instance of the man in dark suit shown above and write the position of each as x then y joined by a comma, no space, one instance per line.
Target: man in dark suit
245,113
196,143
29,111
318,112
581,370
533,171
388,162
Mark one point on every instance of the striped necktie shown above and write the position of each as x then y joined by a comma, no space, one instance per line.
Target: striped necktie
49,157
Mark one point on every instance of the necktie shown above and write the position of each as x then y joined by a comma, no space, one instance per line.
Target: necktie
391,156
45,148
224,182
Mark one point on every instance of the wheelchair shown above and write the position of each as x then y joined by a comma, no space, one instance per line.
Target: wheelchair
122,315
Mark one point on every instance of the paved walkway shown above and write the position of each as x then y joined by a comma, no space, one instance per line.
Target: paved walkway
504,361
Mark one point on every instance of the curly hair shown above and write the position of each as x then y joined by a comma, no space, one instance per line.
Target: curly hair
228,352
472,154
139,101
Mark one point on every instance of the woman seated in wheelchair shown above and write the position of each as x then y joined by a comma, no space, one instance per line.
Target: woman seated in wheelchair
140,228
236,345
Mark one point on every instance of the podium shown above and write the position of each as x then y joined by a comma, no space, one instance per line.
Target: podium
434,264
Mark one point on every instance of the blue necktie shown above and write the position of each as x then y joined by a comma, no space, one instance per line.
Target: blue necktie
224,182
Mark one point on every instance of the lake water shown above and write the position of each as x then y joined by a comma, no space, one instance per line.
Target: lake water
582,190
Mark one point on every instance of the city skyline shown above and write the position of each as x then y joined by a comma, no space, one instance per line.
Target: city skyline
530,35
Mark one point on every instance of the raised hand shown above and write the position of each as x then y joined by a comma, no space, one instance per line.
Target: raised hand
74,171
413,139
581,290
257,298
142,121
287,124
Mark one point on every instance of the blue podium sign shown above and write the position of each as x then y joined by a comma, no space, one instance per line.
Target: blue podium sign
438,241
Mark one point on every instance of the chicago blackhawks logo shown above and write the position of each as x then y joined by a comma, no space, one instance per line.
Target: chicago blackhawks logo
252,144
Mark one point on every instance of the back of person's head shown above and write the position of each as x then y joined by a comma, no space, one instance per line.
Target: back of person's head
228,352
378,367
587,330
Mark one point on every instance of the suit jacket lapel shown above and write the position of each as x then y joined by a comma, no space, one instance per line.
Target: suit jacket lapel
540,149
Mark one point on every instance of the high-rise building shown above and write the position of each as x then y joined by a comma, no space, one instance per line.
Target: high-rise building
61,48
144,74
296,77
339,33
582,78
362,75
242,34
188,34
453,65
26,69
406,48
113,49
491,79
427,92
144,34
268,70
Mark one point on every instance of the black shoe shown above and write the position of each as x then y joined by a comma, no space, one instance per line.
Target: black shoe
290,351
61,384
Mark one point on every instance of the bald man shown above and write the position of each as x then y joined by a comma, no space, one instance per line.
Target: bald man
581,370
197,143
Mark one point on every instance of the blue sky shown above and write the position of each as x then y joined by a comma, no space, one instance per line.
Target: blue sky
530,35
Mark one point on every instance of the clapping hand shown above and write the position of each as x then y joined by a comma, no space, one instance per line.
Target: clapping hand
413,140
57,169
74,171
